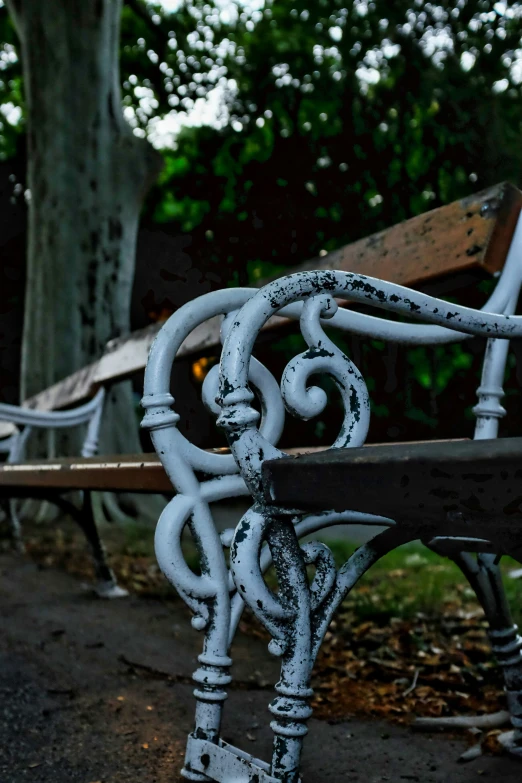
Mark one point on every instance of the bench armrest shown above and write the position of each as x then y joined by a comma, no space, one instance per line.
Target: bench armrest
51,419
317,291
310,298
90,413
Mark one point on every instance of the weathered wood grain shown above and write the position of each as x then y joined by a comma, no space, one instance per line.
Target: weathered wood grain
129,472
74,389
136,473
469,234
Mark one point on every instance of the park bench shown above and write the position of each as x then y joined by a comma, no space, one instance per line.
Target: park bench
460,498
447,248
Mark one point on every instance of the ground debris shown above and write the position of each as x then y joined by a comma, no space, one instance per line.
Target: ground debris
363,669
384,655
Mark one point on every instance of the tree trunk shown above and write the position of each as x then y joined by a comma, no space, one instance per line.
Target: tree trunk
87,175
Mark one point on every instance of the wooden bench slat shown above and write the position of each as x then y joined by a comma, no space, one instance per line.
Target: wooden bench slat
130,473
475,232
134,472
128,355
462,487
73,390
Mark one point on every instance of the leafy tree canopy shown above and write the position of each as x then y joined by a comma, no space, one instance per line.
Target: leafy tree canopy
347,118
168,61
337,119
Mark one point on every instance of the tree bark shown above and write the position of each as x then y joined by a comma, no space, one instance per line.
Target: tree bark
87,176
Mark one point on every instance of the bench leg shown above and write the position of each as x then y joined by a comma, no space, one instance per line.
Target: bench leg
297,617
211,679
208,596
485,578
13,521
291,707
106,584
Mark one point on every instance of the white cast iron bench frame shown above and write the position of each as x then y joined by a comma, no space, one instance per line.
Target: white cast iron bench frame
298,617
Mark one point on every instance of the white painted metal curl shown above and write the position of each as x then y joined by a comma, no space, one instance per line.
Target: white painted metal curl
323,357
297,634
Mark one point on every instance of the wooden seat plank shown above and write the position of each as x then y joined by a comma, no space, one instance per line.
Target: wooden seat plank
121,473
135,472
461,488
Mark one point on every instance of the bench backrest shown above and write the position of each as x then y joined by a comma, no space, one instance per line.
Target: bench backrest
472,234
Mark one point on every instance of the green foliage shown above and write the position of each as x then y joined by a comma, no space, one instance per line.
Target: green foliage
337,120
168,61
434,368
358,156
360,116
424,581
11,99
259,270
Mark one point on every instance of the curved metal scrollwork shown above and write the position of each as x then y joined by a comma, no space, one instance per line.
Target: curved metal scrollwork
239,418
323,357
298,616
212,594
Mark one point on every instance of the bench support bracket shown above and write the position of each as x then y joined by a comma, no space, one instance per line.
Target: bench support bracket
223,763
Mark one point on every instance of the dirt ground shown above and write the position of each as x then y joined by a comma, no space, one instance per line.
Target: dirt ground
99,692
